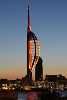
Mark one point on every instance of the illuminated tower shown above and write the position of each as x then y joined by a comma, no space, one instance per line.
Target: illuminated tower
33,50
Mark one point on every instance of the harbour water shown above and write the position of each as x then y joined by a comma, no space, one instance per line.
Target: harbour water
63,93
22,96
34,95
28,96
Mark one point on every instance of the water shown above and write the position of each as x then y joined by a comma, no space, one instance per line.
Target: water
34,95
63,93
22,96
28,96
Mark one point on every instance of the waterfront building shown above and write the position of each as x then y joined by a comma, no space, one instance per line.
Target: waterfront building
56,81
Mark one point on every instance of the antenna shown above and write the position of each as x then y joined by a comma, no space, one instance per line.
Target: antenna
28,2
29,26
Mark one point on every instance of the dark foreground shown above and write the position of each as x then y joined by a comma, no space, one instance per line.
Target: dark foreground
51,96
8,95
42,95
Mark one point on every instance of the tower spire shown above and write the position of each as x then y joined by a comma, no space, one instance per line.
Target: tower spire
29,26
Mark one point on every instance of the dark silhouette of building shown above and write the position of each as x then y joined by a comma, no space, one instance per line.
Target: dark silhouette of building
55,78
39,70
51,78
3,81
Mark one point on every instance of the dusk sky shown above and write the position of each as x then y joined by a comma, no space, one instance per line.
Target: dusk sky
48,22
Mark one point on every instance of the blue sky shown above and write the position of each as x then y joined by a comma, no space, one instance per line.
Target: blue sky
48,22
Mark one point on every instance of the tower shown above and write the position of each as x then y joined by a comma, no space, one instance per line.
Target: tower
33,51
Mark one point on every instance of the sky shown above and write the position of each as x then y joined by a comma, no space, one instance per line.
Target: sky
49,23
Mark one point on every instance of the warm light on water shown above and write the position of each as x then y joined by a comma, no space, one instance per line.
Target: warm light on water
34,95
28,96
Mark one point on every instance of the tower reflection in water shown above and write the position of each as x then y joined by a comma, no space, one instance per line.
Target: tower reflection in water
33,96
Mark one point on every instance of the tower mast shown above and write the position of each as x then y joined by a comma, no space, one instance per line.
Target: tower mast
29,73
29,26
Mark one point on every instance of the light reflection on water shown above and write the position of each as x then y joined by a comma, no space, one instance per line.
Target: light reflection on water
28,96
32,96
